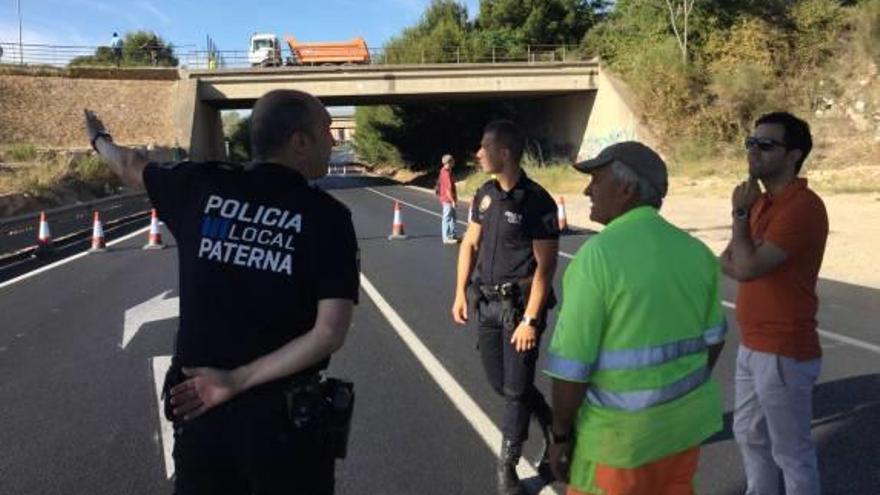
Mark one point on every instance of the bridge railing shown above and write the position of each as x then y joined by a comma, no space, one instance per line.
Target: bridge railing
195,59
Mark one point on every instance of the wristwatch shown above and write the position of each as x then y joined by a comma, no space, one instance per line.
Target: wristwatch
532,322
98,135
740,213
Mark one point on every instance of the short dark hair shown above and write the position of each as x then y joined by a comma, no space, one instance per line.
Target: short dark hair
277,115
509,135
797,133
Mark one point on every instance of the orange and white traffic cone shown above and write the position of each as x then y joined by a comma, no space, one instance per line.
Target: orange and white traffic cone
560,214
397,231
154,241
98,243
44,238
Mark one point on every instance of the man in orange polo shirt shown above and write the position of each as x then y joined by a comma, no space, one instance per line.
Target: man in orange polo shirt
775,253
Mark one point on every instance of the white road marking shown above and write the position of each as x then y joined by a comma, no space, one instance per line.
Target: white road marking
166,430
154,309
843,339
485,428
69,259
825,333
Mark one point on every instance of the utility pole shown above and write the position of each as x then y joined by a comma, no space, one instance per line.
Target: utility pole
20,44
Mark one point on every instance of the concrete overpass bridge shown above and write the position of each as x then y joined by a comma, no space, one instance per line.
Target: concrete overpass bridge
571,105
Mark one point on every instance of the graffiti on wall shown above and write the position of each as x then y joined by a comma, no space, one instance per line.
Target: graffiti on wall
592,145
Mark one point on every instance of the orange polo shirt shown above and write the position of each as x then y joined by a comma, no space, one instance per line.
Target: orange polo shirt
777,312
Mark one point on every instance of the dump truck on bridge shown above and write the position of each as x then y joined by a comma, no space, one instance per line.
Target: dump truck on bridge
265,51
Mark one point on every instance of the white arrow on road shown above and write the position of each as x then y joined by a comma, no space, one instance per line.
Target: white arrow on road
155,309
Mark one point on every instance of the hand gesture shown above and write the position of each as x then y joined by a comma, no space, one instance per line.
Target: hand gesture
205,389
460,310
524,338
94,126
746,194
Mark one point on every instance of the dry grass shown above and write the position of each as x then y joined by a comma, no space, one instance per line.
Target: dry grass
52,178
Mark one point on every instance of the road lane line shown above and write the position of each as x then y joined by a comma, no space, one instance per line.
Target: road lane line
166,430
485,428
825,333
830,335
69,259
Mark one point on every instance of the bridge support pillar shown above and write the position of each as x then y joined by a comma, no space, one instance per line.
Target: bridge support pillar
198,126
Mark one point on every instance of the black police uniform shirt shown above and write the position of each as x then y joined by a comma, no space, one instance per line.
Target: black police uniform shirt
258,248
509,222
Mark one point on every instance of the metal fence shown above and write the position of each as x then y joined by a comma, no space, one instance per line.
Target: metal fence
20,233
212,58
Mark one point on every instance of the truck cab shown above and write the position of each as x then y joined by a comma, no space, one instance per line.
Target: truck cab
264,51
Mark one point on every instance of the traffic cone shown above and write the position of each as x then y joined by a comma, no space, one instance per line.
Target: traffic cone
560,214
397,231
98,243
155,239
44,238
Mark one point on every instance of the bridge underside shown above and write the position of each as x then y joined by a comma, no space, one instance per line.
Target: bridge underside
555,102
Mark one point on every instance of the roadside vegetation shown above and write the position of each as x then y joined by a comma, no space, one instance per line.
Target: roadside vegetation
699,93
51,178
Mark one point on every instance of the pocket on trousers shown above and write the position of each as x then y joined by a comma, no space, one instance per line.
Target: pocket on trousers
799,374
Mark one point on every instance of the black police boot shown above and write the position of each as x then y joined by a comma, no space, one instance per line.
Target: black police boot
508,480
544,416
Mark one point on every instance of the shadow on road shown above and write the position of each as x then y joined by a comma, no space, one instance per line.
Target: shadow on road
848,413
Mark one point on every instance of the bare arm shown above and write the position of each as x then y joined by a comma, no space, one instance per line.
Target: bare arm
467,255
567,399
209,387
128,164
746,260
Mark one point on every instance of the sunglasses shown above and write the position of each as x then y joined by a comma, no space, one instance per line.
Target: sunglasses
763,144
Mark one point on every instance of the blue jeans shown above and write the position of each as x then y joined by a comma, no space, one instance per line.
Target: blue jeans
448,225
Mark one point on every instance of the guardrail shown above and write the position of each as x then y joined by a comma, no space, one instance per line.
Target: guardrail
194,59
19,233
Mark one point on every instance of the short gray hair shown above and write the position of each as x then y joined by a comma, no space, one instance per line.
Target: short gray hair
447,159
648,194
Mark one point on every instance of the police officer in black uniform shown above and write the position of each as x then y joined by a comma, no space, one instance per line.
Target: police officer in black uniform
513,239
268,280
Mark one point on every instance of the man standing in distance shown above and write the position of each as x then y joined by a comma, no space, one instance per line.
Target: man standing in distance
513,242
445,191
259,315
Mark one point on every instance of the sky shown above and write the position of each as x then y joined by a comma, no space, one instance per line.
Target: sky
186,23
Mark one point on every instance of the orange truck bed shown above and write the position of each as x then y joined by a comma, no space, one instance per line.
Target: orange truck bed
330,52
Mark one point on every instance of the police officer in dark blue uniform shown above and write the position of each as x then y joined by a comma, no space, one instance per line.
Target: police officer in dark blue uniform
268,280
513,241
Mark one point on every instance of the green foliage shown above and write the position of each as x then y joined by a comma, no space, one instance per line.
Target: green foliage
22,152
238,132
139,48
866,24
374,126
94,174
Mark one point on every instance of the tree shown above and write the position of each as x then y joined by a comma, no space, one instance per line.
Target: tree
538,22
139,48
678,17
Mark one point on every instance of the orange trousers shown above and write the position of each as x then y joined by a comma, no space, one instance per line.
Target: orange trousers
673,475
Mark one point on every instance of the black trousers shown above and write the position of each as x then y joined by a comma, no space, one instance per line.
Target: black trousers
248,446
510,373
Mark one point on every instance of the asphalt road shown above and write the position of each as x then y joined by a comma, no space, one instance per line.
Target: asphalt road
78,411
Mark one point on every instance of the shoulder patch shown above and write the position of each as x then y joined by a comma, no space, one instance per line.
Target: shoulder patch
485,203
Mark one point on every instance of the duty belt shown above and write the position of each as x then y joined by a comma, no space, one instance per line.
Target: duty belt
504,290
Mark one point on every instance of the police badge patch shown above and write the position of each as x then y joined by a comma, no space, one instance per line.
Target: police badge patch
485,203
